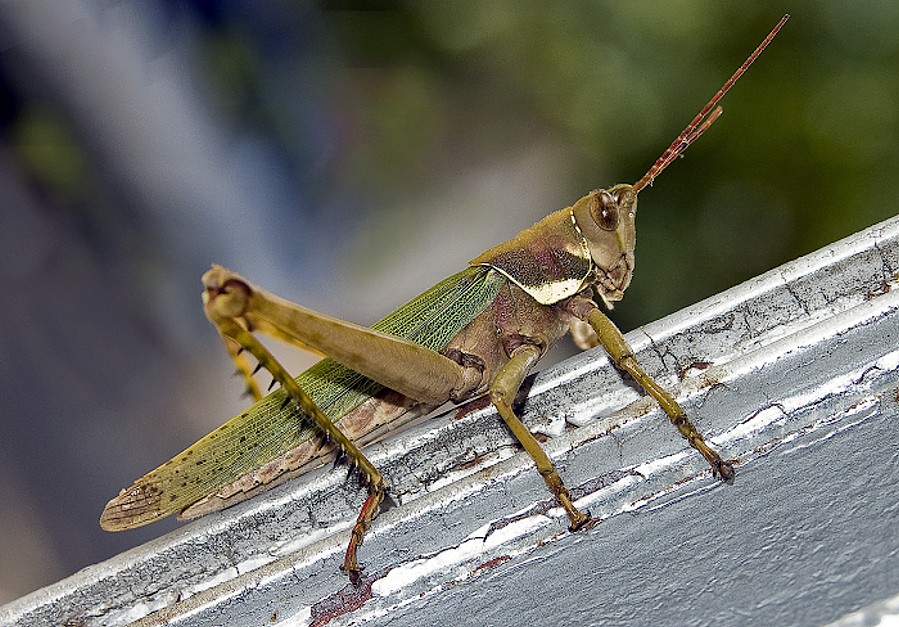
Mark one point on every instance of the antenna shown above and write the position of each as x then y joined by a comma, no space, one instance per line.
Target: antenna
704,119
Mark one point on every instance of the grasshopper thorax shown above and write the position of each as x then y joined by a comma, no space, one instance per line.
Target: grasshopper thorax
589,243
606,219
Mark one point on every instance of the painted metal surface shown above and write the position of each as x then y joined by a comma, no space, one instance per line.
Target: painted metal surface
795,373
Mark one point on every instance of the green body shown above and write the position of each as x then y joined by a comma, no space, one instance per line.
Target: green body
512,293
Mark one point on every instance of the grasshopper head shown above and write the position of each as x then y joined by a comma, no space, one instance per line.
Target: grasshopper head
606,219
606,216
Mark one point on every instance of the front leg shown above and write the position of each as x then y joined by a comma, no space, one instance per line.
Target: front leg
623,357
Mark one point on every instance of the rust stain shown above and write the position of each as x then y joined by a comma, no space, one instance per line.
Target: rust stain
471,406
696,365
349,599
474,461
883,288
489,564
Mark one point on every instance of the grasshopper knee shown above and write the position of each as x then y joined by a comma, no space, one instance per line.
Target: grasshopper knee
226,294
472,374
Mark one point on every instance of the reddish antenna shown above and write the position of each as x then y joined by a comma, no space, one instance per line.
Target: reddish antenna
705,117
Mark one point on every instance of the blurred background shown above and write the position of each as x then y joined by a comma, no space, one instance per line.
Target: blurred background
347,155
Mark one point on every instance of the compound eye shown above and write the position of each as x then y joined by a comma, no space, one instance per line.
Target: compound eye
604,210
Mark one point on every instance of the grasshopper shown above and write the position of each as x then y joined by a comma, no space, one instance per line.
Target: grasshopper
479,332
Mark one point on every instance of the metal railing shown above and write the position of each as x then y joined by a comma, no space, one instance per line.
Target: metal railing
794,373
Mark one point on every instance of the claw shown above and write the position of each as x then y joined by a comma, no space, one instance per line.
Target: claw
354,572
725,471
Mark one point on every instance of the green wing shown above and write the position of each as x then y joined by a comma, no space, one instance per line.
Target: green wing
266,430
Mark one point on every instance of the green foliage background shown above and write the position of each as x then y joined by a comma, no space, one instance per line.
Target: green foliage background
806,152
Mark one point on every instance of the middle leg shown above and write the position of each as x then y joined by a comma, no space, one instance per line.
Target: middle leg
502,393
